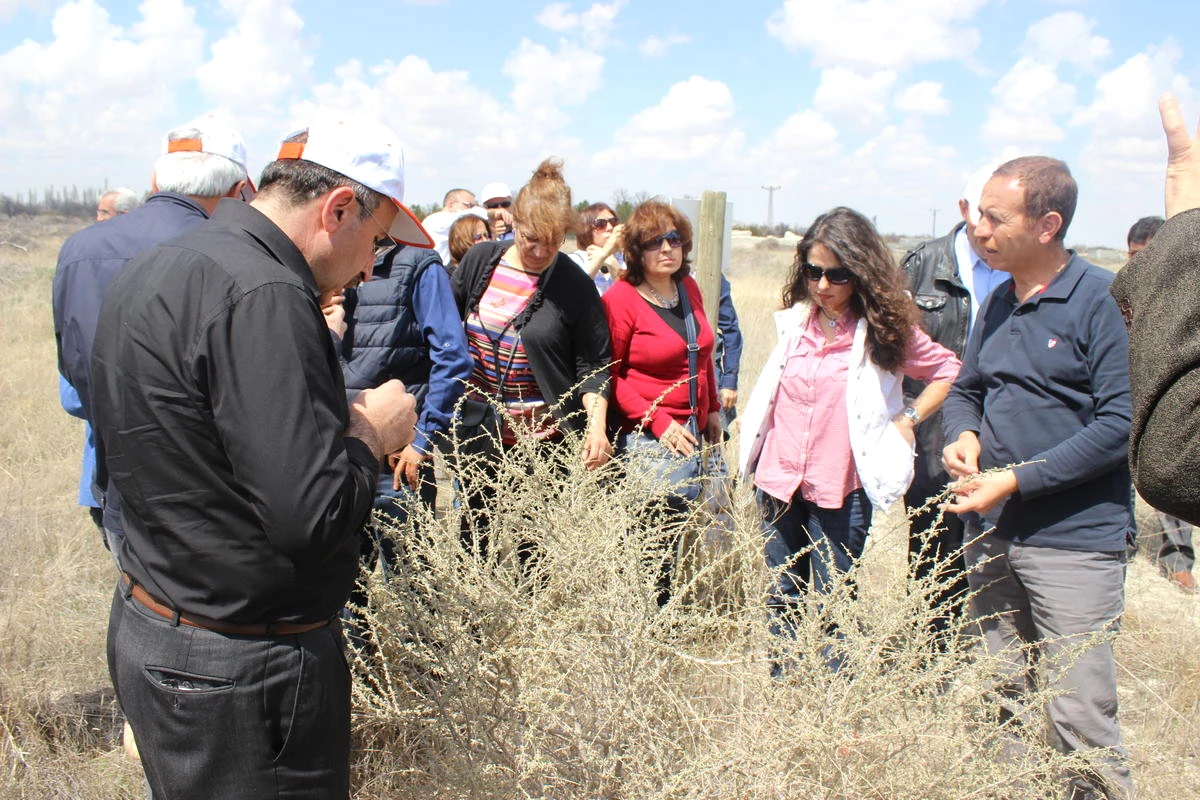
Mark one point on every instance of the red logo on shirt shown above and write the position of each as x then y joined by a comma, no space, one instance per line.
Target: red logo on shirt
1051,343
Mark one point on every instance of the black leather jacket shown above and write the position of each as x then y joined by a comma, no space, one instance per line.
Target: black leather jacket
945,304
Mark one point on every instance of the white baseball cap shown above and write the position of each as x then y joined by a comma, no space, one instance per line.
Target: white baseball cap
493,190
217,136
363,150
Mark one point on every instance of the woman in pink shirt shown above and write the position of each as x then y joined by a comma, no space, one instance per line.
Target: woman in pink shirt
827,434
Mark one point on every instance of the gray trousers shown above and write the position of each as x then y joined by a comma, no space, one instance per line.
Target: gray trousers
1056,599
234,717
1175,554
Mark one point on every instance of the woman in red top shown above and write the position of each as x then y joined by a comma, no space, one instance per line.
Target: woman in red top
645,319
651,400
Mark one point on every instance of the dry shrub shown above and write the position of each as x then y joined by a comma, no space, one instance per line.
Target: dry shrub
558,675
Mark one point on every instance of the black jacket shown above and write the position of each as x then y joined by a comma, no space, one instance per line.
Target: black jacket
221,407
563,328
945,304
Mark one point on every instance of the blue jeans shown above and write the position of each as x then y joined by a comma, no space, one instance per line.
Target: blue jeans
836,537
392,505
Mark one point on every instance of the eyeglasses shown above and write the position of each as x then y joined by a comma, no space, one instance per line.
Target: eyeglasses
838,276
671,238
494,204
600,223
384,242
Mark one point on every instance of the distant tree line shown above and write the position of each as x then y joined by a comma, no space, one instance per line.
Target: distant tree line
778,229
66,201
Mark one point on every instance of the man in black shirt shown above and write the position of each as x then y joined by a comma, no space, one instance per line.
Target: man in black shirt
220,406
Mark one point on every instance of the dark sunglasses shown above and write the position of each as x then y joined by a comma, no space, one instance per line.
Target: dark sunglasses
600,223
671,238
838,276
479,237
497,204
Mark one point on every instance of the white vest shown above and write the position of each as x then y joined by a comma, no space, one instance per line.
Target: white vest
883,458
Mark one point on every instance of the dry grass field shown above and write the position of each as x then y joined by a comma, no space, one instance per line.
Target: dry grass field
560,678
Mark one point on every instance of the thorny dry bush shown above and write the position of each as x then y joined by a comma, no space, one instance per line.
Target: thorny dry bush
557,674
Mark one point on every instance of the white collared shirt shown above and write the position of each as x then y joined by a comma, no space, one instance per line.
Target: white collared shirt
981,279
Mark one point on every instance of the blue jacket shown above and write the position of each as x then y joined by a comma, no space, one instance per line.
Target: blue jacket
728,351
1045,383
87,263
403,324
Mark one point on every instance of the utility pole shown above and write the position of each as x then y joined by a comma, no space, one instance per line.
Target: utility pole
771,205
933,233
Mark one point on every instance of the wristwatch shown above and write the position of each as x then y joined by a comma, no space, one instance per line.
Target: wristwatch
911,413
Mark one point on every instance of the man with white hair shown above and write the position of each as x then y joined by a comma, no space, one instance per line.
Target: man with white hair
201,162
246,477
115,202
949,280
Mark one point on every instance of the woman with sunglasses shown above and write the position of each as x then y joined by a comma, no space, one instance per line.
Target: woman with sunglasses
536,329
600,241
652,402
827,434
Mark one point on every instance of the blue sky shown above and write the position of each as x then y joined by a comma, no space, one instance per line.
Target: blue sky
883,105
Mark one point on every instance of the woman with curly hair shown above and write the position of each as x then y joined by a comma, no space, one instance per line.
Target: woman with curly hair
827,434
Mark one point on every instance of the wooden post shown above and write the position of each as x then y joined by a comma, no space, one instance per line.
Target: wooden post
710,249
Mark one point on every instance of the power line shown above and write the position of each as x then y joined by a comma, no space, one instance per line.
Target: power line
771,204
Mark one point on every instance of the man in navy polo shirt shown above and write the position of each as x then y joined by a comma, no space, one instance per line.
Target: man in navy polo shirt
1038,428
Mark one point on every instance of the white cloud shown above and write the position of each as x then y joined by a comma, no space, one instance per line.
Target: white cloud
657,46
1066,37
593,26
854,100
1028,100
544,80
449,126
803,140
875,34
259,61
1121,165
691,122
97,86
10,7
903,149
1126,98
922,98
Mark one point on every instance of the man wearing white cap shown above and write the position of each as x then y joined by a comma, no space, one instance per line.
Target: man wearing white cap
201,162
949,281
221,410
496,199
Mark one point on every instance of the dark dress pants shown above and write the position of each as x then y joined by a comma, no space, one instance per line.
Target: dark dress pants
232,716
